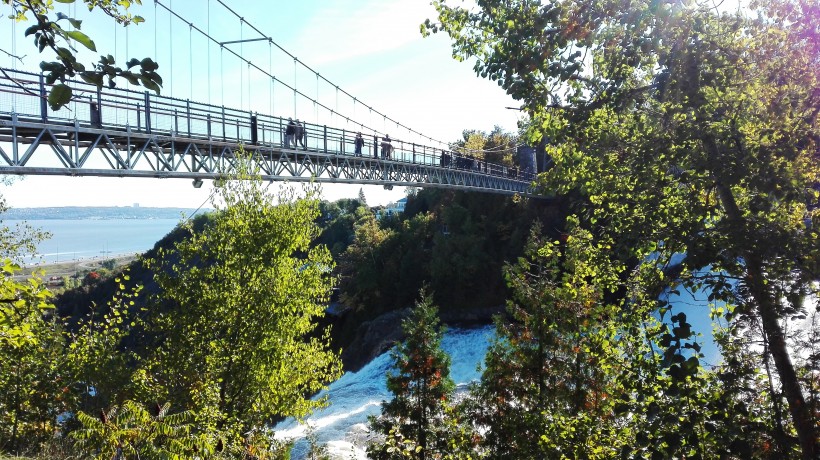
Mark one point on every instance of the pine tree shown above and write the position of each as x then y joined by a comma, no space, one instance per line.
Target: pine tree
545,386
421,386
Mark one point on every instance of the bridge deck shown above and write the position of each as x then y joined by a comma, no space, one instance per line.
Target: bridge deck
117,132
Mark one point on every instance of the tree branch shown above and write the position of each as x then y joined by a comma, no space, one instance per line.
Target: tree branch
14,56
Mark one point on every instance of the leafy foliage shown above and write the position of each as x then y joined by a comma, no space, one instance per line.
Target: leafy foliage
57,32
30,353
338,221
129,431
240,345
549,383
678,130
100,362
495,146
455,242
19,240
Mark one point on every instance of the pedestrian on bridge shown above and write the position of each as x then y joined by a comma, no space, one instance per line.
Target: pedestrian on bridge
358,144
301,134
387,147
290,134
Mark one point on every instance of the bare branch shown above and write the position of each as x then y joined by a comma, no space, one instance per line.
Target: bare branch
14,56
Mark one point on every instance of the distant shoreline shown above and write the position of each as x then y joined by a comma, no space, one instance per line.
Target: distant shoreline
70,267
100,213
80,260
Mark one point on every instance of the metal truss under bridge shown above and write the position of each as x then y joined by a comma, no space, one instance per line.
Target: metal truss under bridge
123,133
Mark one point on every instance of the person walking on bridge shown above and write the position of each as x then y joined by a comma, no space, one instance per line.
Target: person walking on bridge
301,134
358,144
290,134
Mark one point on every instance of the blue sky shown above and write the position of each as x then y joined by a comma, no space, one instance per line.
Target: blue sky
371,49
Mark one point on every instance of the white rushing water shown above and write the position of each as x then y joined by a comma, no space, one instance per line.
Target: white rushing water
342,426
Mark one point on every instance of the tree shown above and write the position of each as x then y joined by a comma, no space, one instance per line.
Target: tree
239,344
30,352
362,265
58,32
678,130
495,146
22,239
420,387
101,363
337,221
31,345
550,380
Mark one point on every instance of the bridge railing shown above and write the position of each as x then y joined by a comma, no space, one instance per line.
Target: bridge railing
24,94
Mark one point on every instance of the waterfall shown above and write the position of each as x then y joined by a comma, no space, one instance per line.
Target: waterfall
342,426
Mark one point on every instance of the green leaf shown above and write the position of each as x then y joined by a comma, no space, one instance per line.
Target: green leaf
65,53
52,67
92,78
149,65
149,84
59,96
82,39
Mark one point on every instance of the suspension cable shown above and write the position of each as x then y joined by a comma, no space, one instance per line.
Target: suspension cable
156,53
127,52
171,45
209,52
191,62
221,2
272,81
241,56
296,92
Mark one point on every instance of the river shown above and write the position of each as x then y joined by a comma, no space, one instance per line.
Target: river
88,238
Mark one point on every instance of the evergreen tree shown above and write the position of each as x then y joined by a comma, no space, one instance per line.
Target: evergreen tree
421,386
547,383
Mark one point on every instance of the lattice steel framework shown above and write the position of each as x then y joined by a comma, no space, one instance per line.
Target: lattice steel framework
115,132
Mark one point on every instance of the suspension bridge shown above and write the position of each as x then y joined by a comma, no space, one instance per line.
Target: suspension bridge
125,132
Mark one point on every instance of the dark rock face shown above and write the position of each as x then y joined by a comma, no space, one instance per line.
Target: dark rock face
373,338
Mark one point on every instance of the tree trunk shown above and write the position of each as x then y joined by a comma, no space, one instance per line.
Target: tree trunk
767,309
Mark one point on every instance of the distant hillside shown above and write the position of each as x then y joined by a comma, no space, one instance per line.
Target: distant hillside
97,213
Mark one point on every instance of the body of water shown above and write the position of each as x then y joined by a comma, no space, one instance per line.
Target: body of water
357,395
83,239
